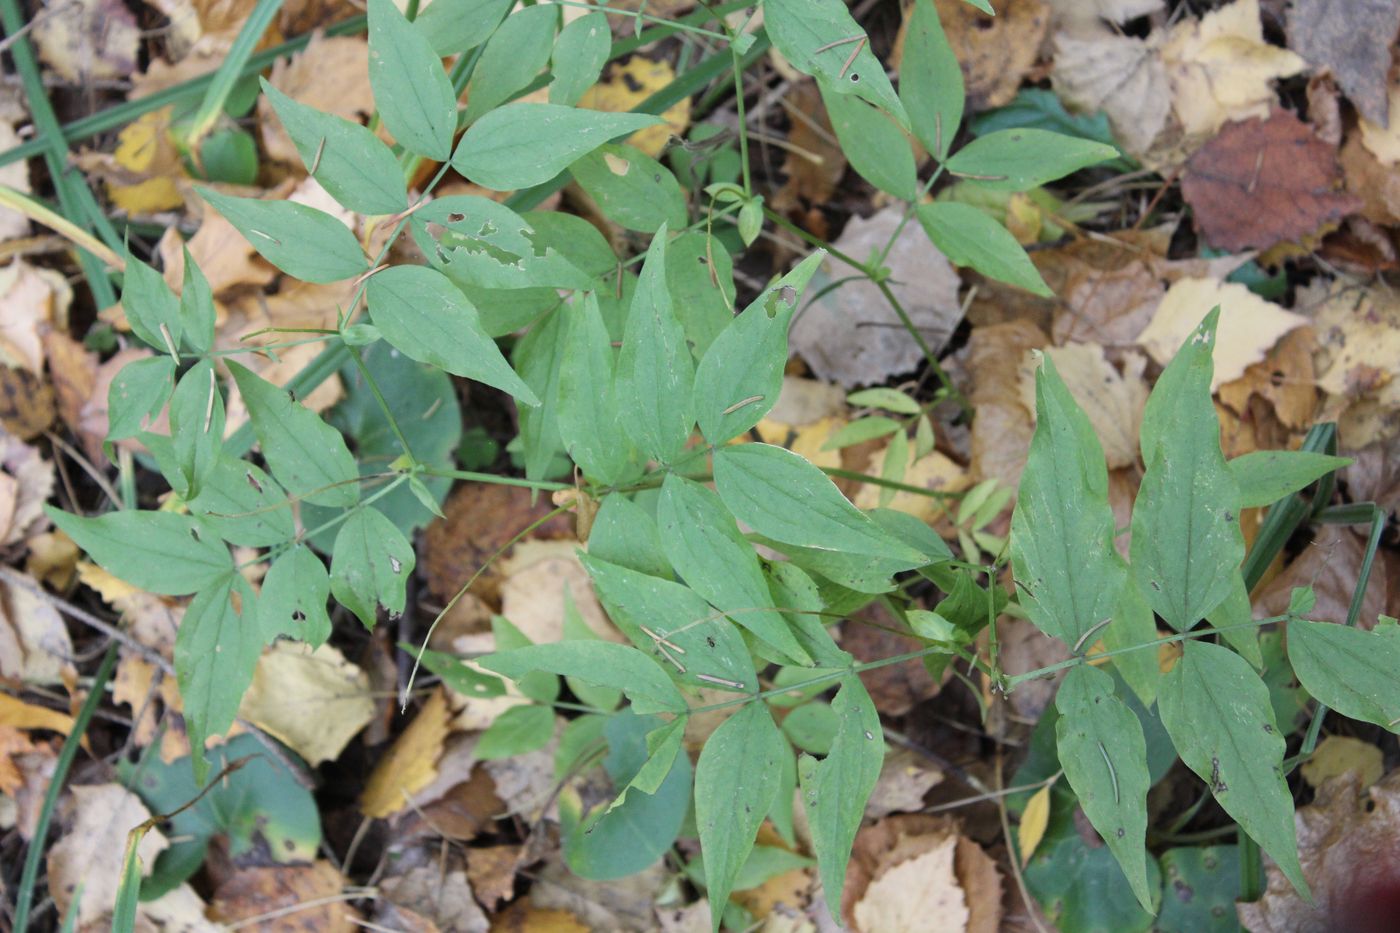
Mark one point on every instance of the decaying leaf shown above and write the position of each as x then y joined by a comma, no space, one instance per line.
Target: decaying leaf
444,897
1121,75
34,642
90,853
1331,565
87,40
1354,45
1358,331
1285,378
256,892
144,173
815,162
1088,16
1264,181
532,596
904,779
995,52
314,701
1340,754
411,762
1001,433
34,299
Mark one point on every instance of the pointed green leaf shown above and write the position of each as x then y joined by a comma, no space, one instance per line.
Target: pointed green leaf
874,144
349,161
598,662
197,312
1235,619
700,278
244,505
370,566
539,359
818,38
303,242
1133,625
663,745
411,90
736,779
1266,476
930,81
1024,158
140,390
197,425
454,28
631,188
1104,755
781,495
696,637
1187,545
526,144
835,789
151,307
704,545
1349,669
655,370
589,418
625,533
516,731
159,552
1062,530
516,52
216,650
888,399
293,598
308,456
969,237
580,53
740,376
423,314
1218,713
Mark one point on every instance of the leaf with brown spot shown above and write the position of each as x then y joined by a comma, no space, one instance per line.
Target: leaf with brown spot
26,402
254,892
1262,182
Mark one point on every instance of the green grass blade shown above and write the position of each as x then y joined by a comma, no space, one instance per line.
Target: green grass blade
229,74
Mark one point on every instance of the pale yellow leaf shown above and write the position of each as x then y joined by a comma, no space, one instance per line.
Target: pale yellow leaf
1338,754
909,895
313,701
1034,821
21,715
1384,142
411,763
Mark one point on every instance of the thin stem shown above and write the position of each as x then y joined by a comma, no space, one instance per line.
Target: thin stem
470,476
384,407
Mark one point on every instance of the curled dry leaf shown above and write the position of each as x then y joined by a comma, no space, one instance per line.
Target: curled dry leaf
313,701
1249,325
26,483
1354,47
34,642
995,53
1265,181
34,299
904,779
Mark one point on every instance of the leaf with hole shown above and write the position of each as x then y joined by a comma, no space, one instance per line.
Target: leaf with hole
293,598
820,38
371,565
631,188
488,245
244,505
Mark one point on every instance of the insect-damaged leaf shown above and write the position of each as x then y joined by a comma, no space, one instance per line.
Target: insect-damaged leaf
244,505
293,598
488,245
820,38
370,566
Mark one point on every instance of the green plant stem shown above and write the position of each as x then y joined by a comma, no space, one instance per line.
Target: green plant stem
889,483
677,25
470,476
30,875
384,406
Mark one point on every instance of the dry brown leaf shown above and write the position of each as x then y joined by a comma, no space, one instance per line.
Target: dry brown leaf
525,917
1339,754
87,40
152,621
255,892
995,52
1249,325
532,596
935,472
625,85
1377,187
32,300
1262,182
313,701
444,897
1358,333
34,642
814,162
851,335
13,743
491,871
807,413
33,483
1383,140
90,853
1001,433
904,779
1353,42
135,685
27,406
411,762
1331,565
1375,476
1120,75
1285,378
918,894
145,173
1221,68
1113,401
225,257
73,371
1023,647
1349,847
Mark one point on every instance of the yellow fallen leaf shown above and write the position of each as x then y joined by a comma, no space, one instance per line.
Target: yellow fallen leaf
627,85
145,149
312,701
933,471
1384,142
21,715
1034,821
1249,325
1338,754
411,763
906,895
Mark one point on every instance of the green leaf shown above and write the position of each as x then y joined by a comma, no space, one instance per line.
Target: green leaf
930,80
306,455
422,313
1349,669
1266,476
293,598
540,686
140,390
303,242
197,425
488,245
580,53
781,495
1025,158
801,603
216,649
655,370
888,399
1218,713
1187,545
1062,530
631,188
1235,619
835,789
740,376
538,358
150,305
862,430
159,552
411,91
1133,624
230,156
968,237
1104,755
625,533
516,731
1199,890
456,674
700,278
244,505
349,161
370,566
516,52
736,779
817,38
701,640
663,745
812,727
704,545
873,143
526,144
453,28
197,313
589,418
599,662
